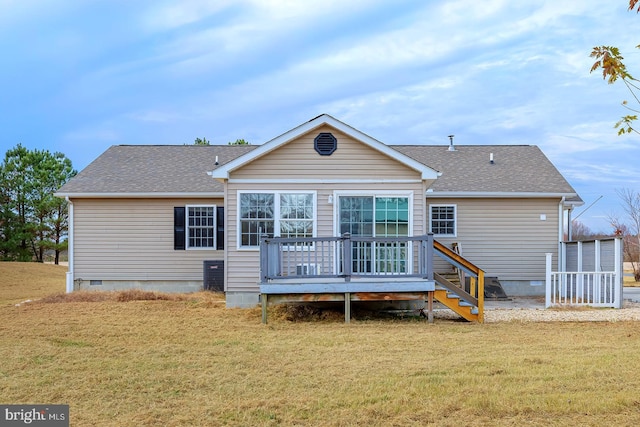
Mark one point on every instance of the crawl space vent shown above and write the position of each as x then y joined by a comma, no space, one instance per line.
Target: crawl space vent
325,144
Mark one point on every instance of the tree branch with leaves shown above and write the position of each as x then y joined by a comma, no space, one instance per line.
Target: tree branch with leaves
610,62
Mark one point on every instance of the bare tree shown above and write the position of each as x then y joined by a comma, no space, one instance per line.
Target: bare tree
579,231
630,229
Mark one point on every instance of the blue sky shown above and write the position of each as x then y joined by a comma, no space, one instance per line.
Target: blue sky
79,76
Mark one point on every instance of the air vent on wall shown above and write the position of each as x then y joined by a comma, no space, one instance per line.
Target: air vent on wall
325,144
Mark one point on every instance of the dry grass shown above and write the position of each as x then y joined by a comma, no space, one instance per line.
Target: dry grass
630,281
20,281
190,361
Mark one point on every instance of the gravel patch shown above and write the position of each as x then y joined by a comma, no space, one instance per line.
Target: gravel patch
629,312
517,311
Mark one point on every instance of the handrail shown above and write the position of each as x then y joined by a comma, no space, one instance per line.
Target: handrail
477,279
464,295
455,259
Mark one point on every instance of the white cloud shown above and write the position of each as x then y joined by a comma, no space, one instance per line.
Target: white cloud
496,71
169,14
602,172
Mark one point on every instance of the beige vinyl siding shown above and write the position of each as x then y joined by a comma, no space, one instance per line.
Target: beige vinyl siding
298,160
132,239
243,265
351,160
505,237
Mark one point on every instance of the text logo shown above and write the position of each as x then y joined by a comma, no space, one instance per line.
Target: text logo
34,415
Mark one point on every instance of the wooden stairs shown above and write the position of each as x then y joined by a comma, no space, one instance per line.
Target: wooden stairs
450,289
447,294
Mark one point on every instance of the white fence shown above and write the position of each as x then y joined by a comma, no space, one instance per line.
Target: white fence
590,274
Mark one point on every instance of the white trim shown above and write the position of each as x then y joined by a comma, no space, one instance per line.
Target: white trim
323,181
215,229
276,218
561,223
374,195
226,235
324,119
618,270
495,194
455,219
70,241
573,203
140,195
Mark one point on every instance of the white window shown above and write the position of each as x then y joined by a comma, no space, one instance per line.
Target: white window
282,214
201,227
377,216
442,220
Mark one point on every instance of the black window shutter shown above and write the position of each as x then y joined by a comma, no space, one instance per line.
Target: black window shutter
220,228
179,236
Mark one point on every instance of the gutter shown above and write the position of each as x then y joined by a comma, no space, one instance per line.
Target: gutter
497,194
140,195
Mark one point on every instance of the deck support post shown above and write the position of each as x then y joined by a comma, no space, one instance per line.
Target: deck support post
347,307
263,300
430,306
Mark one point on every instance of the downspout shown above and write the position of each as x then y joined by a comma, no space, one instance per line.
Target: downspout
561,220
70,248
561,255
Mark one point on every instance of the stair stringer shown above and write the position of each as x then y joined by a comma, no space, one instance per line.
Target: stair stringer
453,302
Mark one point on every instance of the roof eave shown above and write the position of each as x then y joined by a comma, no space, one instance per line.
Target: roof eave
141,195
574,203
497,194
224,171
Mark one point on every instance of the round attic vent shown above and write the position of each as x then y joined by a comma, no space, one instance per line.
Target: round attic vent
325,144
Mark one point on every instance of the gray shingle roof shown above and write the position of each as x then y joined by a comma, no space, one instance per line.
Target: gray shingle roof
168,169
516,168
143,169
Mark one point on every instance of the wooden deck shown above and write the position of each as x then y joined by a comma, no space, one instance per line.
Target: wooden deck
347,269
316,290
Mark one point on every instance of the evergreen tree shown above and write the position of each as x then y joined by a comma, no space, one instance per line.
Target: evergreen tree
32,219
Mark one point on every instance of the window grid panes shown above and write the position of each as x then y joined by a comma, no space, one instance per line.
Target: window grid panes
201,226
275,214
379,217
256,217
296,215
392,216
443,220
356,216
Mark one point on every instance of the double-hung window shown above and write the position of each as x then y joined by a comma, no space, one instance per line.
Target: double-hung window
283,214
442,220
201,226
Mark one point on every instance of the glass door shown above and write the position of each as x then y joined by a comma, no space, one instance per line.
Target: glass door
375,216
356,218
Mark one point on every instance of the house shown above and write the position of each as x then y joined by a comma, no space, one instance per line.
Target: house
155,217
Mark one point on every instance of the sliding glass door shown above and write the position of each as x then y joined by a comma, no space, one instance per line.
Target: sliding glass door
376,216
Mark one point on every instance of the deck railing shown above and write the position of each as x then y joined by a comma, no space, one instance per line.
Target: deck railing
346,257
585,288
589,288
